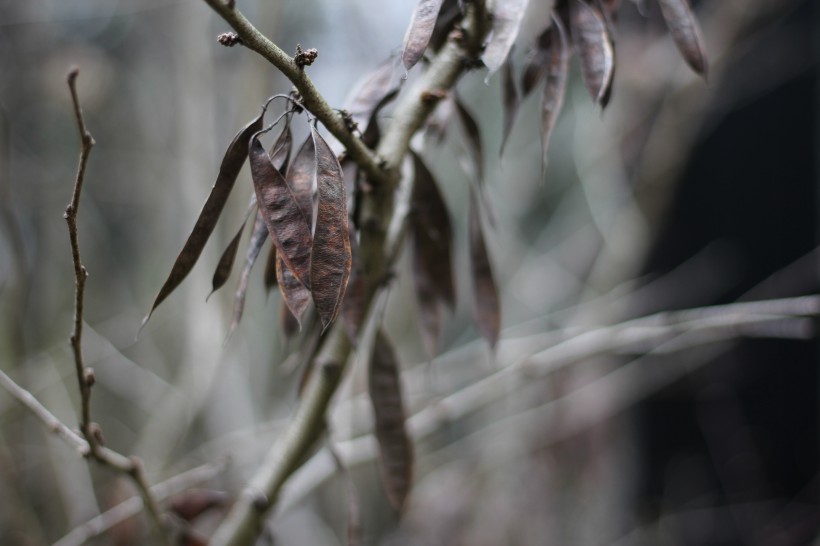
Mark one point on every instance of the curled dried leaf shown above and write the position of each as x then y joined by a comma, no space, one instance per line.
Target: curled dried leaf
331,260
486,304
473,137
594,46
301,178
553,98
232,163
288,323
507,17
372,133
225,264
270,269
395,448
286,223
431,234
354,304
419,31
373,88
260,234
685,31
294,294
280,151
511,103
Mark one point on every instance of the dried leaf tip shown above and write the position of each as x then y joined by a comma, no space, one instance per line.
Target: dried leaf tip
419,32
685,32
486,303
331,256
594,45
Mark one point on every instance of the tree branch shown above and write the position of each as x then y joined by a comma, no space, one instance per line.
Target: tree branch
131,466
311,98
244,522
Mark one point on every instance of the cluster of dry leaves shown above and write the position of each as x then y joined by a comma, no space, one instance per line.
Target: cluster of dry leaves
307,205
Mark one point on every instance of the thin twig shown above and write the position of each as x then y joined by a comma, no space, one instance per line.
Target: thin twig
52,424
253,39
131,466
132,506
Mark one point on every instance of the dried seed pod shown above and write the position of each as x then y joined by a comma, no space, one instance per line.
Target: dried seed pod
594,46
419,31
486,304
511,103
431,236
225,264
232,163
294,294
507,17
395,447
280,151
685,31
260,234
301,178
269,277
286,223
331,259
473,137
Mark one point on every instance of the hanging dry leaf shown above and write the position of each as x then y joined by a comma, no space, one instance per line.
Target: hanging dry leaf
685,31
507,17
225,264
294,294
395,448
419,31
269,277
331,259
290,326
300,178
370,92
431,236
288,228
486,304
511,103
228,171
448,16
280,151
473,137
372,133
553,98
593,44
536,61
260,234
354,304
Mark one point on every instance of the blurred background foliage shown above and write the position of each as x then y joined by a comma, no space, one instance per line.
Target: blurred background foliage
680,194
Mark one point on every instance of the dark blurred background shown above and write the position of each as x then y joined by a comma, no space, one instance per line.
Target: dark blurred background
681,194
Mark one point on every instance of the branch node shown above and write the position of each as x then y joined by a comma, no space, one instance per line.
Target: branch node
306,57
229,39
433,95
95,430
89,377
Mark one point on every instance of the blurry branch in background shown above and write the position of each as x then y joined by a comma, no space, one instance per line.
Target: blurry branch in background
133,506
660,334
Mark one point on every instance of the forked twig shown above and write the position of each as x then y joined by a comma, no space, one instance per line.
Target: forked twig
131,466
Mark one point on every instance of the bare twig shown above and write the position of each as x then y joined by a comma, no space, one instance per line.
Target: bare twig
48,419
133,506
131,466
311,98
